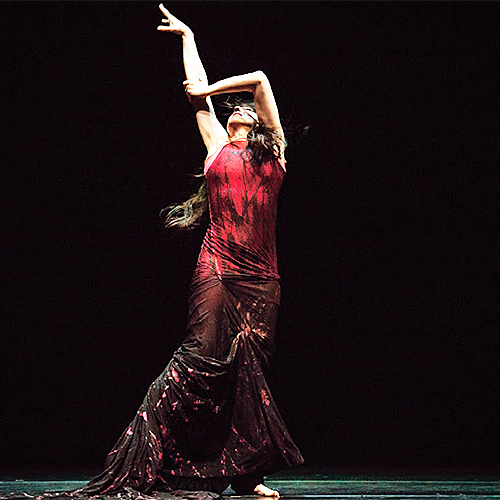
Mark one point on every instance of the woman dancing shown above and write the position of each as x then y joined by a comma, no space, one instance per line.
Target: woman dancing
209,420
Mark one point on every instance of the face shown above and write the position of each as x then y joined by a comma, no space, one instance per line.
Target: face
244,115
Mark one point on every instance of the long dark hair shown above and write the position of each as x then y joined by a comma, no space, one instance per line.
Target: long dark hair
263,145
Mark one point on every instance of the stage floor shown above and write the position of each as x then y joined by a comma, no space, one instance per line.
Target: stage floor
311,484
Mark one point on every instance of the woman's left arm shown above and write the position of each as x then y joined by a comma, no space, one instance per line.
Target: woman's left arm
257,83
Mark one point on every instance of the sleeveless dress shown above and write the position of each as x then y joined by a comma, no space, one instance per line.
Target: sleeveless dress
209,419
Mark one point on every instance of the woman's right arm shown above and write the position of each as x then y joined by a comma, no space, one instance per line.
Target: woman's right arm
212,132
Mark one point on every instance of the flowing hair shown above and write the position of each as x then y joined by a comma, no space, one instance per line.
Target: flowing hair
263,145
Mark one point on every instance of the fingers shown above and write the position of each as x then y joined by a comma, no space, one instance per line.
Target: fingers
165,26
166,13
188,88
187,84
171,24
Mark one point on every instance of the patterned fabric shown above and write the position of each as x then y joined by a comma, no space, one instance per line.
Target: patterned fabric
209,419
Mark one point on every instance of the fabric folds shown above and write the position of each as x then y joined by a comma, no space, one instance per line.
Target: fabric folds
209,419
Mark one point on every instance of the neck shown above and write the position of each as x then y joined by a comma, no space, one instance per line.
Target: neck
238,137
237,132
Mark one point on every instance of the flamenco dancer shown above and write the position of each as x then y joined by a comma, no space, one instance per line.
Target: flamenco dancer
209,420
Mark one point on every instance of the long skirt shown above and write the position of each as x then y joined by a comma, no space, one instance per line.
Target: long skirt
209,419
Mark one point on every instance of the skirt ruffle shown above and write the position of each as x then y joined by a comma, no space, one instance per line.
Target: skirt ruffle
209,417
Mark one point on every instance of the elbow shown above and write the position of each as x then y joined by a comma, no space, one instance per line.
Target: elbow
260,81
260,76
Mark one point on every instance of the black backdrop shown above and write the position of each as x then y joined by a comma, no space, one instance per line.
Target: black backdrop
388,330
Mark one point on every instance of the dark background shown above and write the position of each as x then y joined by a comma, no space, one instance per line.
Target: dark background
388,336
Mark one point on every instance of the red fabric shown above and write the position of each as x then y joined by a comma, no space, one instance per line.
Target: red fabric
243,209
210,417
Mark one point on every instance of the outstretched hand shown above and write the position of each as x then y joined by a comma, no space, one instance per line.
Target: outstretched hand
172,24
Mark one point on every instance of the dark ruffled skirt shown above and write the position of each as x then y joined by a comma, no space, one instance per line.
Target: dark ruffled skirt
209,419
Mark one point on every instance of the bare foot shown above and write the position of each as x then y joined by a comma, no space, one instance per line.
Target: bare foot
260,489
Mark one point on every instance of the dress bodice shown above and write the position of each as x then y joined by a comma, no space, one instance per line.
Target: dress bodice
243,207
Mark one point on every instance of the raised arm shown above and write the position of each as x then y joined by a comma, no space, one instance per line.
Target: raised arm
257,83
212,132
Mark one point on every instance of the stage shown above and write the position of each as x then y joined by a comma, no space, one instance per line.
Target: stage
387,345
320,484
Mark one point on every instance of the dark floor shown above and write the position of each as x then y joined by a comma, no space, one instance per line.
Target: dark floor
312,484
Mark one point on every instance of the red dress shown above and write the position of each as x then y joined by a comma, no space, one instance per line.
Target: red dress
210,418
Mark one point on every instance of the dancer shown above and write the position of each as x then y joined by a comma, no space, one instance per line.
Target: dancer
209,420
